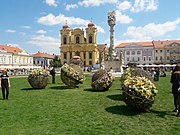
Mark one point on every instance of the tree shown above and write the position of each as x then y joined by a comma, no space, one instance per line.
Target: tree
55,62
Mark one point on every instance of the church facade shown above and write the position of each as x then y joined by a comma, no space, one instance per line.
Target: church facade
75,43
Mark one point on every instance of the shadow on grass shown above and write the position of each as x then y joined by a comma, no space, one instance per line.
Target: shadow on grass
121,110
30,89
162,114
118,97
92,90
63,87
124,110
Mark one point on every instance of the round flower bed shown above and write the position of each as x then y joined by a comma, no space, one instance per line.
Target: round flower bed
72,75
102,80
138,90
38,79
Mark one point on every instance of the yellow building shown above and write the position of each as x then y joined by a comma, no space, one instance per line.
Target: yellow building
74,43
14,57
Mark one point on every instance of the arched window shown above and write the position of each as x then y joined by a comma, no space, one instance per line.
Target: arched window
90,39
77,40
65,40
77,53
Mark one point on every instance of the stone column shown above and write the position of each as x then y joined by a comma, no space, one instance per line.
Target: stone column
112,23
68,58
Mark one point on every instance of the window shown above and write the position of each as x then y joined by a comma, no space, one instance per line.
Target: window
77,40
84,55
90,39
161,58
167,57
160,51
133,52
70,55
167,51
156,58
19,59
65,40
144,58
64,55
138,52
127,52
90,62
156,51
90,55
138,59
127,59
149,58
77,53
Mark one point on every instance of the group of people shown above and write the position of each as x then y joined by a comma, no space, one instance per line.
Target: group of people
175,80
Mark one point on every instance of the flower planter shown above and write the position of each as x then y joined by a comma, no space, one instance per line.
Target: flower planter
71,75
38,82
139,93
102,80
136,103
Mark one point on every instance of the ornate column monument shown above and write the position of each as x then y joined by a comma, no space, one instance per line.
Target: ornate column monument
113,62
112,23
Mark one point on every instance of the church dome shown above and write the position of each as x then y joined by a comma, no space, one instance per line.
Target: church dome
66,26
91,24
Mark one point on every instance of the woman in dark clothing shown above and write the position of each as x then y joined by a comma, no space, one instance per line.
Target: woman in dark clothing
175,80
53,73
5,84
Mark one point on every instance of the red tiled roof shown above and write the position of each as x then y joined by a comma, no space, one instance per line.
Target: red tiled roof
11,49
138,43
162,44
156,44
41,54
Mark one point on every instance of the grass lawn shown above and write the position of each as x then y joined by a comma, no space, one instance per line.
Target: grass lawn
60,111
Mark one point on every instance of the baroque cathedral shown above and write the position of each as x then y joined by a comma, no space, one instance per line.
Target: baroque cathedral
75,43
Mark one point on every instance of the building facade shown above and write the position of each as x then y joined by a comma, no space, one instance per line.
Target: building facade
42,59
167,52
136,52
11,56
74,43
152,52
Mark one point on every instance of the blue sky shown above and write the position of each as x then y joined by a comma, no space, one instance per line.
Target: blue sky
34,25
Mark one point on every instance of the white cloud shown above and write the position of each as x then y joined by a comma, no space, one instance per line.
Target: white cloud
92,3
26,27
50,19
122,6
151,30
14,45
41,32
51,3
122,18
10,31
46,43
100,29
147,5
71,6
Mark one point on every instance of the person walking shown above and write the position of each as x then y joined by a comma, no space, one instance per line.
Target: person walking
5,84
175,80
53,74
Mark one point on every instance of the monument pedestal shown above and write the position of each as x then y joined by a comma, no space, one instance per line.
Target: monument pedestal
116,66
